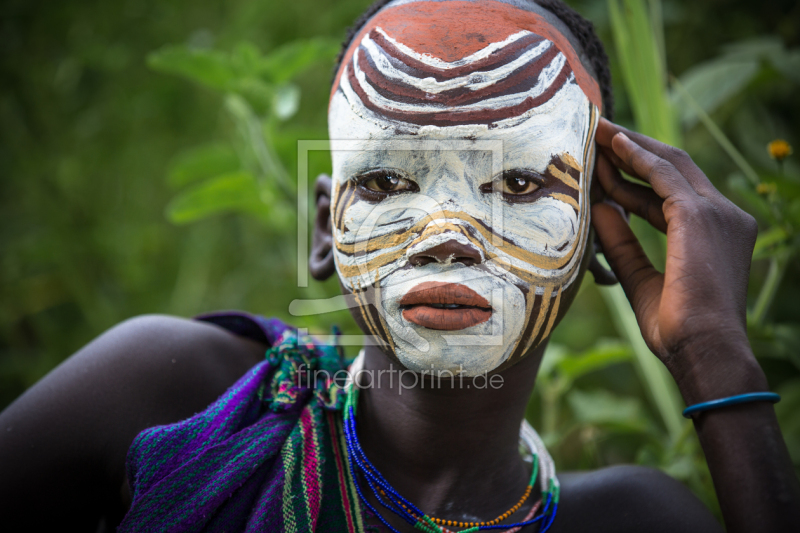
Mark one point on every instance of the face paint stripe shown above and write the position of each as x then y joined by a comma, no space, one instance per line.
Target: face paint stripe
589,147
538,261
530,298
363,306
564,177
407,62
339,206
455,116
567,200
350,199
482,58
378,299
443,29
543,308
571,161
553,314
398,87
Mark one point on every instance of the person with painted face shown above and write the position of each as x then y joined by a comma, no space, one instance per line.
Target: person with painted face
459,220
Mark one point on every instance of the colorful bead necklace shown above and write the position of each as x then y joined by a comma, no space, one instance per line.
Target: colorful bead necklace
389,498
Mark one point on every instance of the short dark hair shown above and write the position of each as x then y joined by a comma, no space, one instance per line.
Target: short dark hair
582,29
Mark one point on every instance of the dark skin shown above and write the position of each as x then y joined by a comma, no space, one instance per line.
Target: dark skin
452,451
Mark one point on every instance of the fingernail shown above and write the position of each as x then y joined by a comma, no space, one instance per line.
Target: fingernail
623,136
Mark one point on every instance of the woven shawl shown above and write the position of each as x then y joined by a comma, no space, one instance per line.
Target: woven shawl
267,456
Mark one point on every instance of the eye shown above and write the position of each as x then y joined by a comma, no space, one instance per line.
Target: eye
384,182
514,183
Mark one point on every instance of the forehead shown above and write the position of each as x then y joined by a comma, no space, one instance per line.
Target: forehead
462,70
448,63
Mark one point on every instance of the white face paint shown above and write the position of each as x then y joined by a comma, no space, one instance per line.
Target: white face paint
524,249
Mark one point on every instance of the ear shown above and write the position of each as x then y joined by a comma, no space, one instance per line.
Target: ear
320,264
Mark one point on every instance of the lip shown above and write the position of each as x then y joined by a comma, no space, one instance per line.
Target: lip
421,304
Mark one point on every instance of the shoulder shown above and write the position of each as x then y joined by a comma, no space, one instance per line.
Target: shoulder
162,366
155,369
74,427
630,498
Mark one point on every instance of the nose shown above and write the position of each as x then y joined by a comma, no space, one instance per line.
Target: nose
450,251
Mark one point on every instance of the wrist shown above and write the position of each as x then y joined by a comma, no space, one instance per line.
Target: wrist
717,370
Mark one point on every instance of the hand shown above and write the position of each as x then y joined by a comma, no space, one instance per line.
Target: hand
693,316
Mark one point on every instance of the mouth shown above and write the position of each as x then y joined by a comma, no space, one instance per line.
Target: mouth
444,306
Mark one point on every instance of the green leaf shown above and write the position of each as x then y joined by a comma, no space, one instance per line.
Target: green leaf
776,341
286,101
258,94
600,356
681,467
756,204
246,59
788,187
237,191
766,240
284,63
793,212
788,63
552,358
788,412
712,83
643,69
757,48
207,67
202,162
604,407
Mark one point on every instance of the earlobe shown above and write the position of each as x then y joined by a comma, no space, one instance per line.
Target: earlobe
321,263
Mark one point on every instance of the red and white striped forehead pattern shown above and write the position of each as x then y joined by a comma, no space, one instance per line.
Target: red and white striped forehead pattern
457,63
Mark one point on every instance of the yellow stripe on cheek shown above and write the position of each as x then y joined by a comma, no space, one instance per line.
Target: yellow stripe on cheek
543,307
567,199
571,161
563,176
539,261
553,314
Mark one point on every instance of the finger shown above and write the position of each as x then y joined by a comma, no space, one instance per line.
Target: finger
640,280
665,179
606,131
619,163
637,199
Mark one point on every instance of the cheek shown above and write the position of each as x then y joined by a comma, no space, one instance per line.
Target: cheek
370,239
545,227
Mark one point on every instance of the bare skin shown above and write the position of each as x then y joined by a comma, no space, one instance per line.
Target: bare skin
64,441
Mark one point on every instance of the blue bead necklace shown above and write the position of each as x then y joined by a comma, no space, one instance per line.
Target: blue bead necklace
389,498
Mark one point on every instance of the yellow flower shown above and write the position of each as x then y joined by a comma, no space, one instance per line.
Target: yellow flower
766,188
779,149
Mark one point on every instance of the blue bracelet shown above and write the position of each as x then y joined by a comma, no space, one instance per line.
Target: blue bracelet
732,400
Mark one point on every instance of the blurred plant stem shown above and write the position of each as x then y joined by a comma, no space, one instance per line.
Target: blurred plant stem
716,132
638,35
777,268
654,376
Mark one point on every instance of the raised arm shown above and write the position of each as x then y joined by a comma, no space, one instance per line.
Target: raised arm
63,443
693,317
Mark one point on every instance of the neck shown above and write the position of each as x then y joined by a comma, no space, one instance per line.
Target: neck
451,446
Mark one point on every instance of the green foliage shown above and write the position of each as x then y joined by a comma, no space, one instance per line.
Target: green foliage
258,93
201,162
640,53
237,191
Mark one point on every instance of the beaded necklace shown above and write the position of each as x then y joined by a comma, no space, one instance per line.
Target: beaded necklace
389,498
